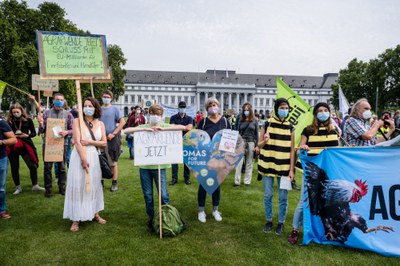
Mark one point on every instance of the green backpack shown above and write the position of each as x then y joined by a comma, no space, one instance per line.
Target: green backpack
172,223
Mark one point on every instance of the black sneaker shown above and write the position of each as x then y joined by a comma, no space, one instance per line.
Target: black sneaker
61,189
187,182
48,193
268,227
114,186
173,182
150,226
279,229
294,185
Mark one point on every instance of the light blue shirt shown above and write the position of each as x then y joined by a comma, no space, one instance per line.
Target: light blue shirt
110,117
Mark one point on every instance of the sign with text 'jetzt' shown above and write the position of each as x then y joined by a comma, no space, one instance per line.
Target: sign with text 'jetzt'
154,148
72,56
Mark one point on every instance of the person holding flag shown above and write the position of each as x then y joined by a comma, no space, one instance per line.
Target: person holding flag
276,159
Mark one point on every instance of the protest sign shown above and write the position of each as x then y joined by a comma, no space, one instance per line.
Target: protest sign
72,56
44,84
351,198
54,148
228,140
209,164
170,111
155,148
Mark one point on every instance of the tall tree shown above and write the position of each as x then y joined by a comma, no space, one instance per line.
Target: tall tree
18,53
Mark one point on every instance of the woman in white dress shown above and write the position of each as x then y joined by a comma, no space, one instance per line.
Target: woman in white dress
79,204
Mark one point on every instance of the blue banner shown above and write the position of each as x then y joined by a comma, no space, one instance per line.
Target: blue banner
209,164
352,198
170,111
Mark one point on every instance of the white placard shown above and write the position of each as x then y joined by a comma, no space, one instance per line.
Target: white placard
228,140
154,148
285,183
44,84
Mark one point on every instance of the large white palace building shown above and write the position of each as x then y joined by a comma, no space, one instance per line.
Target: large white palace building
230,88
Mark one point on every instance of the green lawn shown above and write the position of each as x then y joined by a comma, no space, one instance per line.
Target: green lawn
37,235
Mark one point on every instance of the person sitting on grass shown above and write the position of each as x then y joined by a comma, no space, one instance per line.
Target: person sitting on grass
149,173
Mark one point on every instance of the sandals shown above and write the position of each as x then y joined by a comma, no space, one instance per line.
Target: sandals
99,219
75,227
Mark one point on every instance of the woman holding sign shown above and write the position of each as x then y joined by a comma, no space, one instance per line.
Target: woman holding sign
314,138
24,130
213,123
80,205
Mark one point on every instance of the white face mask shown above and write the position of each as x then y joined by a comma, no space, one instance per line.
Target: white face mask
367,114
88,111
138,111
155,119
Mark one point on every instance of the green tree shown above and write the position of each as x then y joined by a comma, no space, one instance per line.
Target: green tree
19,57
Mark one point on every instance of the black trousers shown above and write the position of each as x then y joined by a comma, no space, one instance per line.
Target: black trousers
14,163
48,178
186,172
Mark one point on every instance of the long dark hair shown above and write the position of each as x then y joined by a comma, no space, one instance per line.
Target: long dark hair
96,105
10,117
251,115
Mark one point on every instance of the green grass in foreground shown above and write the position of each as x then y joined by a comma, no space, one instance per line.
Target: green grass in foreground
37,235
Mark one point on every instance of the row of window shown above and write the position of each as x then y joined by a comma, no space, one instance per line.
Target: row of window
164,99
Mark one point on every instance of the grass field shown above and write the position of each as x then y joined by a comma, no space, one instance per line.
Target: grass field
37,235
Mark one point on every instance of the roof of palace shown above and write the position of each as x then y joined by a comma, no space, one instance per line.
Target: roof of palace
227,77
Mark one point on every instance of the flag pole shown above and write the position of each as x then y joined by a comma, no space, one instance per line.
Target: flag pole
159,199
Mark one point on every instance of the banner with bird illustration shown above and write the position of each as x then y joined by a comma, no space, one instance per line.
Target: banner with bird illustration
352,198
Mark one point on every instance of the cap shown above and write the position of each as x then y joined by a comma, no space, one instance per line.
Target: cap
318,105
182,104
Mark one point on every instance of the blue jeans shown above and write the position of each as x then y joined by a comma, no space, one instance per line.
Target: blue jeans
298,214
146,179
3,175
268,183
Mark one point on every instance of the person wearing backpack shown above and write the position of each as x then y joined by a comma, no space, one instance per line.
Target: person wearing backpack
213,123
248,129
276,160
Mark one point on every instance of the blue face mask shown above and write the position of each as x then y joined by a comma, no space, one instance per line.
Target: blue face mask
88,111
246,113
182,110
323,116
283,113
58,103
106,100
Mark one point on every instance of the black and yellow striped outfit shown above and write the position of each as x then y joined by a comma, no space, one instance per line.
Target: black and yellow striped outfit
317,142
274,159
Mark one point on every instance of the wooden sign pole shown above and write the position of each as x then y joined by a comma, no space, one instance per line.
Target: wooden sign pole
81,125
91,87
159,199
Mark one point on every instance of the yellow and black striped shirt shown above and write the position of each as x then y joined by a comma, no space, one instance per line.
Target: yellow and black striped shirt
317,142
274,159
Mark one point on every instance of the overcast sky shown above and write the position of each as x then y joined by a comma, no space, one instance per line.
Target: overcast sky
288,37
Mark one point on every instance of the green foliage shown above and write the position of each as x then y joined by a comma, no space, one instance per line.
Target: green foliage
37,234
19,57
363,79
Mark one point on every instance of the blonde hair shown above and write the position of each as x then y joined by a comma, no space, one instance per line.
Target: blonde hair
156,109
210,101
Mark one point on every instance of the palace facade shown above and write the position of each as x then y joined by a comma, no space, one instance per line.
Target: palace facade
230,88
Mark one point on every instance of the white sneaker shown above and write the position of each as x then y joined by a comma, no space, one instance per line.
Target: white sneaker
37,188
217,216
202,216
18,190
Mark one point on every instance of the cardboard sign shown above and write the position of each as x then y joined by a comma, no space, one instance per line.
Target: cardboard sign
54,145
228,140
72,56
209,164
47,93
44,84
154,148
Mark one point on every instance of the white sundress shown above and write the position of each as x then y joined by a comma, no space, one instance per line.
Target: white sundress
80,205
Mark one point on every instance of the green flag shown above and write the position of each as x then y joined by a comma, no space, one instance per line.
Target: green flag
2,87
301,114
